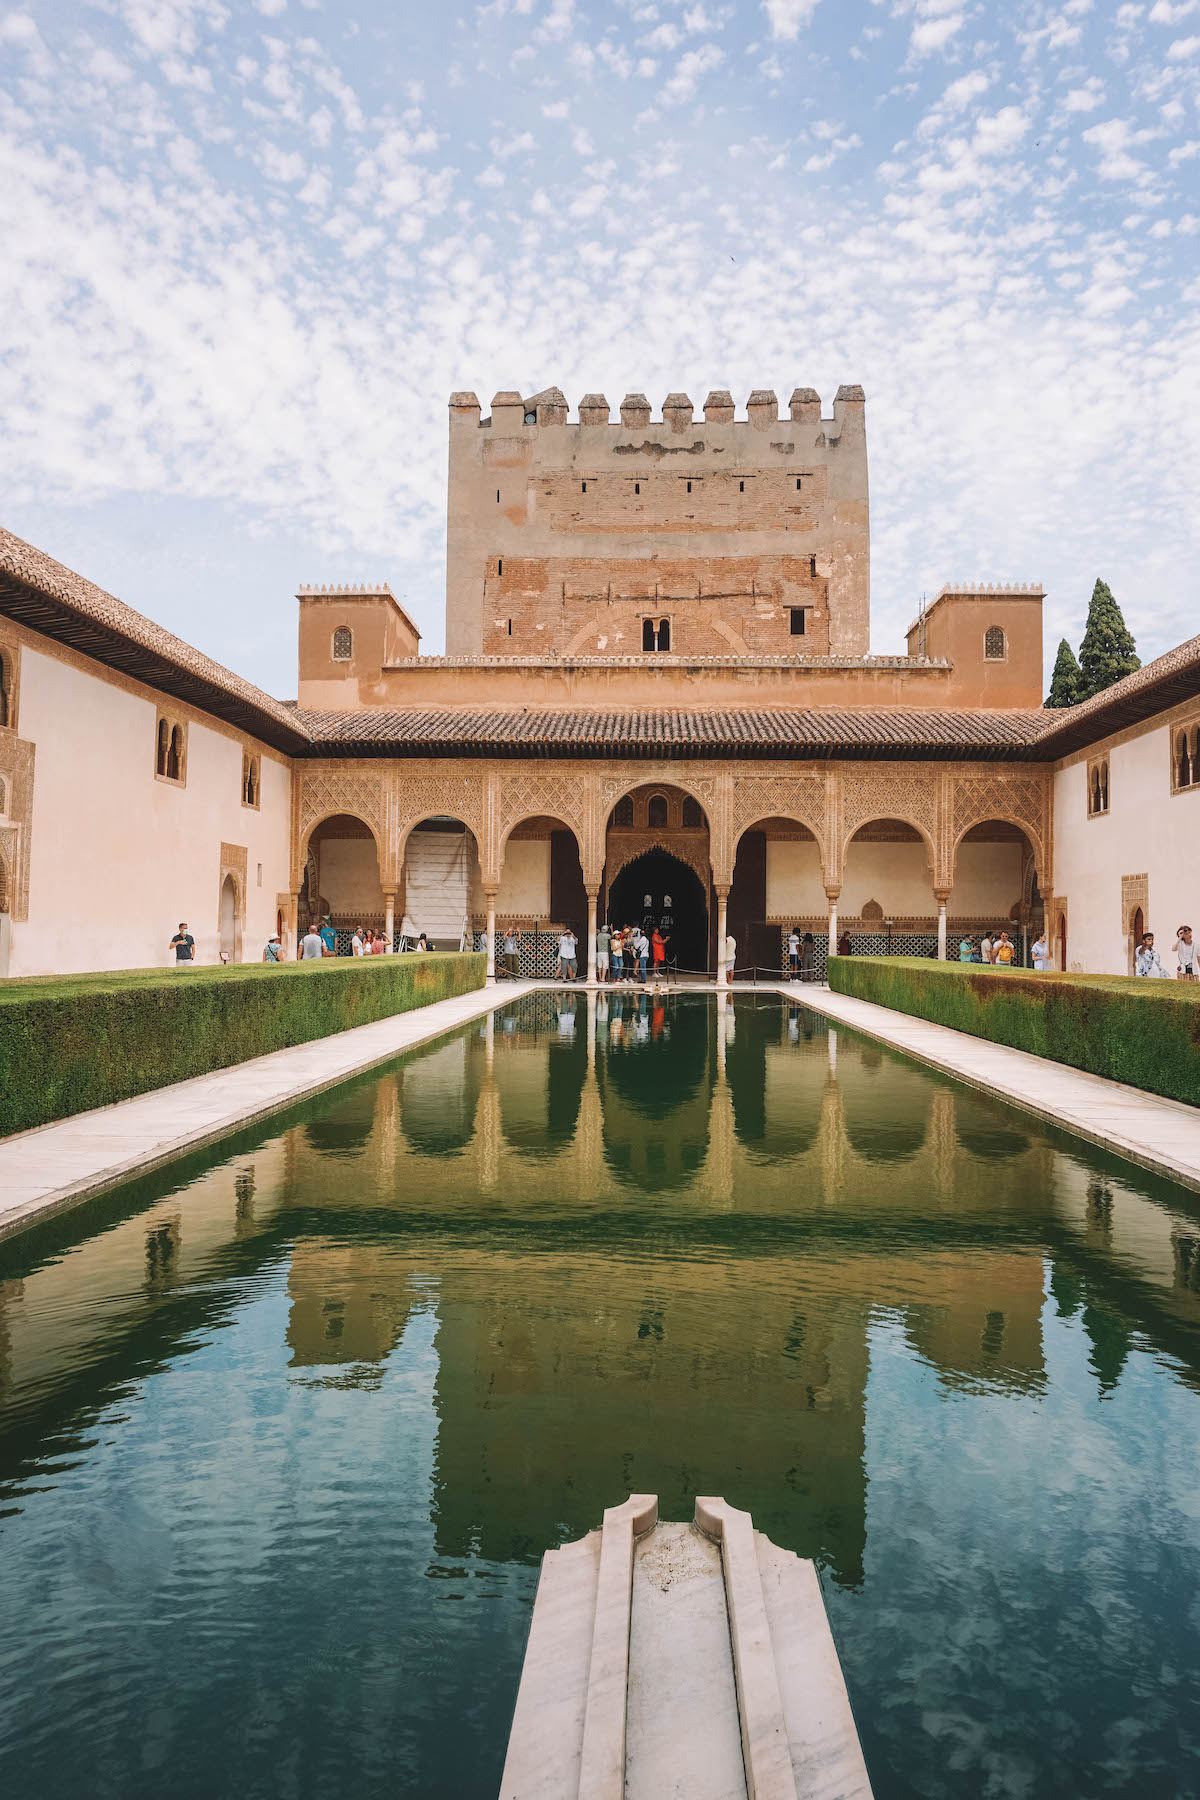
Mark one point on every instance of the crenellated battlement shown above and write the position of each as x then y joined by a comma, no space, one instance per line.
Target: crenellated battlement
550,408
353,590
963,588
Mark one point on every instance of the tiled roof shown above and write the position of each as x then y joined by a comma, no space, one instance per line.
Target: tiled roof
799,732
1149,690
49,598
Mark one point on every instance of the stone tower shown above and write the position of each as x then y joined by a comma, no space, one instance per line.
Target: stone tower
717,537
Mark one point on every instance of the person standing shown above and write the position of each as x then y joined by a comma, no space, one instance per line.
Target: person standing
1185,952
567,965
618,956
985,947
658,951
642,946
274,950
328,938
603,948
808,953
966,950
1147,961
356,942
311,947
731,955
184,946
1003,951
843,948
793,950
1041,952
511,952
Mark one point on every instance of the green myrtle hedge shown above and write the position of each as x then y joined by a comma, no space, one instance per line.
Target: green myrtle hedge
1146,1033
72,1042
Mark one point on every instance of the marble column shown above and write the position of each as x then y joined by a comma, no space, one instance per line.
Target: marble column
941,900
723,974
292,927
389,921
491,935
831,894
593,898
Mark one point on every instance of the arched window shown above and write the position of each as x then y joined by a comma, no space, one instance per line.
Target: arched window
175,754
656,811
343,644
1098,787
693,816
994,647
163,747
249,779
623,811
664,634
648,634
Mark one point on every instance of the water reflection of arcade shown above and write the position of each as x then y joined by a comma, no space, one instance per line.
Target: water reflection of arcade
633,1287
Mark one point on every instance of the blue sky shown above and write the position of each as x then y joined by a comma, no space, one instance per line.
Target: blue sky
250,249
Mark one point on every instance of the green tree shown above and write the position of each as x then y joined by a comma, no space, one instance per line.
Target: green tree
1108,650
1066,683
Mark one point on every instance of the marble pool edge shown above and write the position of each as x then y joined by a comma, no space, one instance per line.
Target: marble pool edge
67,1161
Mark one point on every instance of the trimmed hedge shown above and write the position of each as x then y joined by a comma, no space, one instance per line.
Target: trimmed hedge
1143,1032
72,1042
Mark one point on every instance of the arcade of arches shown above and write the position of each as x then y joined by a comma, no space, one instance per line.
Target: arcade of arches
901,855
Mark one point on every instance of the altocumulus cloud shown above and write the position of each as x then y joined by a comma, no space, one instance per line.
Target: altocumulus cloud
250,251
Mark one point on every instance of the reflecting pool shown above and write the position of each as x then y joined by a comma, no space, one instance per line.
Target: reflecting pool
285,1431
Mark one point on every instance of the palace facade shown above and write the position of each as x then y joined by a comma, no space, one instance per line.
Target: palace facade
658,683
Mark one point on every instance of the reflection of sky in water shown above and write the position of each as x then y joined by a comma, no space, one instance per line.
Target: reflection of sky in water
284,1434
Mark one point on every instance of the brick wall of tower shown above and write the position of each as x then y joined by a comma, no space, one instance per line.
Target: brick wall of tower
564,538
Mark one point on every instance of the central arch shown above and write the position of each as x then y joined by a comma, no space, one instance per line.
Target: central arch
664,877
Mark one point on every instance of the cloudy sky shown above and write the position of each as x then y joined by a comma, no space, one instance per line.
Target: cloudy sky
249,249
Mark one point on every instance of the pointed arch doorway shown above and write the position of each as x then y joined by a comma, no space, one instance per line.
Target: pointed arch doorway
661,875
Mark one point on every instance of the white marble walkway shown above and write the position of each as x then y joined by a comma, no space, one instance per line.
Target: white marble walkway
58,1164
1163,1135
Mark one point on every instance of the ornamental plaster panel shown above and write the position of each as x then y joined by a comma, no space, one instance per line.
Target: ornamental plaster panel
803,798
874,791
625,847
16,813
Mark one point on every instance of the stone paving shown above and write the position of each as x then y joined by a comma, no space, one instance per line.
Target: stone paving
1163,1135
58,1164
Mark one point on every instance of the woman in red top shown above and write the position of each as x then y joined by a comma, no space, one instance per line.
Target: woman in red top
658,951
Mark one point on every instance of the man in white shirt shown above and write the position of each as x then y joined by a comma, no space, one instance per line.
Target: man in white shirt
793,949
567,965
356,942
311,947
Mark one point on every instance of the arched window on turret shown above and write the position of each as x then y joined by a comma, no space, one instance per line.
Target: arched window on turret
162,747
995,649
343,644
664,634
648,634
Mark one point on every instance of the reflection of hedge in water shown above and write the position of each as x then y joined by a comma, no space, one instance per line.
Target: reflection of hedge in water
1146,1033
72,1042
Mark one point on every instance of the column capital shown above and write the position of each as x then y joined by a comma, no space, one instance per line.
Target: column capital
721,889
833,893
942,896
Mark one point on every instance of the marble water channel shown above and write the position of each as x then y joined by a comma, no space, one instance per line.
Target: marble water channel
285,1430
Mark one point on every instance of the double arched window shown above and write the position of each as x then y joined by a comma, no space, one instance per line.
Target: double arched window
1185,761
656,634
170,749
251,775
1097,787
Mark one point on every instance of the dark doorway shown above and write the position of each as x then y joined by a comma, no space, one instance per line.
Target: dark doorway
658,874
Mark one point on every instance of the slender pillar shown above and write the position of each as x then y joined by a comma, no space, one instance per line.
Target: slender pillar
389,921
723,972
491,935
831,895
593,897
941,900
291,930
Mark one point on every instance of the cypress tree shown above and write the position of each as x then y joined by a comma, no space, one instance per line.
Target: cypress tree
1066,683
1108,650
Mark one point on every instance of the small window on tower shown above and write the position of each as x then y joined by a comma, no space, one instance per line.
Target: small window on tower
637,487
689,487
741,487
497,496
647,634
994,647
664,634
797,613
812,567
797,484
343,644
583,487
510,628
499,565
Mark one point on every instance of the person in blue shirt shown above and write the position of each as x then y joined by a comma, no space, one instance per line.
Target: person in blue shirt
328,939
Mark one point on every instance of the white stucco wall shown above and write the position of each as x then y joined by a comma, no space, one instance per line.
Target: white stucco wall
987,881
525,879
896,875
795,885
1148,831
119,857
349,877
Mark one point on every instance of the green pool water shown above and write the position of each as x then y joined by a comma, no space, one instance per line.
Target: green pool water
285,1431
